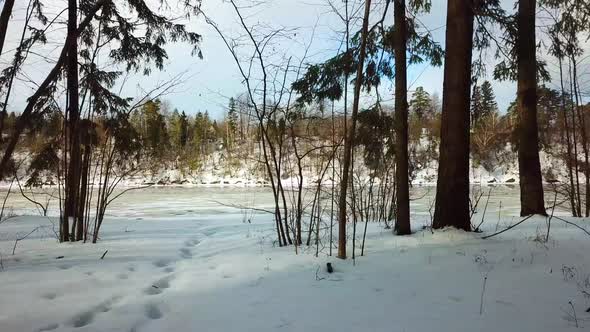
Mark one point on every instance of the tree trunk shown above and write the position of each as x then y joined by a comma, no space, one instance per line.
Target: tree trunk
452,190
4,18
348,144
73,177
402,222
529,166
83,193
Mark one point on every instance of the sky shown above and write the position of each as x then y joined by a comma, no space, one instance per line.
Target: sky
308,26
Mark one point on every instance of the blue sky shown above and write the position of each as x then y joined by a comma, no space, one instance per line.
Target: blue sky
209,82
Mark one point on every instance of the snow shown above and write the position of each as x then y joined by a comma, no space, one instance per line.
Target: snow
177,260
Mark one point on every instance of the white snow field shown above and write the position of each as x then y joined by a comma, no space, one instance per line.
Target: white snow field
177,260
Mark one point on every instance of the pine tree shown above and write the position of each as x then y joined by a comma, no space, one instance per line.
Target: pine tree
421,104
183,136
488,99
476,105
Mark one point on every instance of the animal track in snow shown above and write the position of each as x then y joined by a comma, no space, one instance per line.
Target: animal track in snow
49,296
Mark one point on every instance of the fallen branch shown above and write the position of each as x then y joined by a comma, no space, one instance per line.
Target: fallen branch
242,207
508,228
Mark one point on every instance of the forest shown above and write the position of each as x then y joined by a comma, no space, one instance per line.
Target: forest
341,163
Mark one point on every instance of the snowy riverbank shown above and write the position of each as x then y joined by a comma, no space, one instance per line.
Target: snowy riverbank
196,265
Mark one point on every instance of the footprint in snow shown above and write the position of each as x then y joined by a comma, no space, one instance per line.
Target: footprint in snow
162,262
159,286
191,243
186,253
49,327
152,311
49,296
87,317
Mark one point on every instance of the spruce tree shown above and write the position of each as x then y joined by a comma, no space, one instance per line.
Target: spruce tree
421,104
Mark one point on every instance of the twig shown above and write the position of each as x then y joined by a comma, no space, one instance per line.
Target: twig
573,224
105,253
574,310
551,217
483,290
484,210
22,238
509,228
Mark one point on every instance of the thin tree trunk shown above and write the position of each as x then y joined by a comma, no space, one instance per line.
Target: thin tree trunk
529,166
83,193
73,178
452,190
567,139
402,221
4,19
350,137
582,122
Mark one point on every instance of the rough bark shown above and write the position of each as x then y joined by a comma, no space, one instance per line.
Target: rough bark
529,166
402,222
452,190
348,144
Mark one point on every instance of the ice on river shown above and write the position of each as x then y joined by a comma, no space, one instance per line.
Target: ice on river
187,259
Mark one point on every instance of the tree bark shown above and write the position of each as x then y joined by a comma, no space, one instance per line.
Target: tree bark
402,222
452,190
4,18
348,144
73,176
529,166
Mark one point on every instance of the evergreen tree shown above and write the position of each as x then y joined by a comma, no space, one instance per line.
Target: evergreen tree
232,118
476,105
174,128
183,137
420,104
488,99
156,134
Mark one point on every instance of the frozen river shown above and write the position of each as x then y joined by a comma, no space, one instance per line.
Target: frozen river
170,202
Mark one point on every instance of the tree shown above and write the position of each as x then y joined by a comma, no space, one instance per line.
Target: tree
452,190
183,135
232,121
421,104
488,99
348,142
529,166
402,222
476,105
72,184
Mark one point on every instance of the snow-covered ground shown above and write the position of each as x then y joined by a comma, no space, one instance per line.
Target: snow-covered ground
178,260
